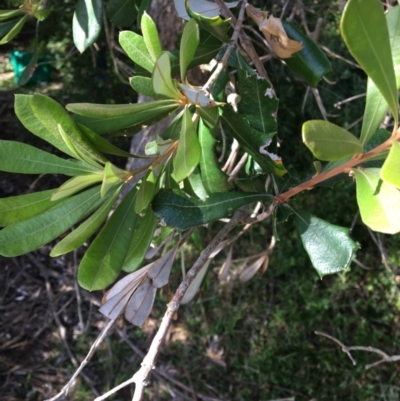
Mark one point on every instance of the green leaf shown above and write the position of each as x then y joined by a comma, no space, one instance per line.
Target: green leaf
18,208
30,234
146,192
86,23
258,101
193,185
189,42
143,85
329,247
365,32
81,234
329,142
188,154
141,240
150,36
217,26
136,49
122,12
181,212
254,142
379,202
7,14
112,175
214,179
31,66
10,29
162,81
310,63
40,14
103,260
390,172
105,118
376,106
75,184
16,157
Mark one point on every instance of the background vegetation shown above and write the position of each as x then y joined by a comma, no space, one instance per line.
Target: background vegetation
252,341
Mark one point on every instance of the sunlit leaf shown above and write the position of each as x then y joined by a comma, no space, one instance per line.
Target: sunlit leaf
146,192
18,208
76,184
10,29
189,42
196,184
136,49
188,153
112,175
103,260
162,81
376,106
365,32
204,7
329,247
86,24
30,234
379,202
391,168
150,36
179,211
7,14
17,157
328,141
81,234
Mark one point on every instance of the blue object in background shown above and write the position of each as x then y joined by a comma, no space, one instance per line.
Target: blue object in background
19,60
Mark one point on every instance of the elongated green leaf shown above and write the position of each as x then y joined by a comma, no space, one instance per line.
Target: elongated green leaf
189,151
31,66
103,118
76,184
103,260
150,36
365,32
136,49
146,192
16,157
258,101
189,42
7,14
143,85
329,247
112,176
310,63
122,12
376,106
193,185
391,168
18,208
379,202
141,240
86,24
81,234
162,80
10,29
30,234
252,141
329,142
181,212
214,179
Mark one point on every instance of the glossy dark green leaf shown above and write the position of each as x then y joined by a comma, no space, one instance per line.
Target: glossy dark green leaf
379,202
189,42
252,141
310,63
214,179
86,23
141,240
329,247
150,36
188,153
122,12
328,141
364,29
136,49
10,29
106,118
103,260
18,208
179,211
376,106
258,101
30,234
81,234
17,157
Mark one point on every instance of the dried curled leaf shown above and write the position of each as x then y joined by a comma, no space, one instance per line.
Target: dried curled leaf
274,32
